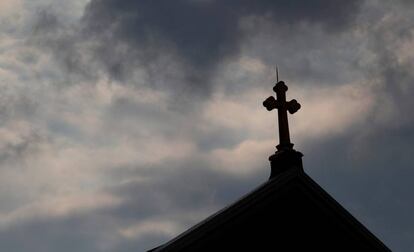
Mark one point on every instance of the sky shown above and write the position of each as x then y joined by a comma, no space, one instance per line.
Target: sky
123,123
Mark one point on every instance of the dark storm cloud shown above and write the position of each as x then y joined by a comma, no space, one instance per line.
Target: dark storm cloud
196,36
203,31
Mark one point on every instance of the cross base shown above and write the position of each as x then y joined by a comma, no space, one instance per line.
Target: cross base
284,160
285,147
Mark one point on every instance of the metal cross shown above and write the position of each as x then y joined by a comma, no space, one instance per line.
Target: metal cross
282,106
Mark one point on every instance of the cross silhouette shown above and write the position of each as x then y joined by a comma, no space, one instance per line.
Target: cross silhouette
282,106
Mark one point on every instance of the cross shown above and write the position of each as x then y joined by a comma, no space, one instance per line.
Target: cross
282,106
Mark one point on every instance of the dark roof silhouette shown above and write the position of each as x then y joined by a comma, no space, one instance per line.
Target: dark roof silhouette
289,212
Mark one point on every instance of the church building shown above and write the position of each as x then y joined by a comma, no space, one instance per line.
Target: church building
289,212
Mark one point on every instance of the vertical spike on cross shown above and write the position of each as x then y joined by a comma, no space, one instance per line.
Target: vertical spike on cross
277,74
283,107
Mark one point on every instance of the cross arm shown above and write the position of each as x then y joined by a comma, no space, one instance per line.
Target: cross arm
293,106
271,103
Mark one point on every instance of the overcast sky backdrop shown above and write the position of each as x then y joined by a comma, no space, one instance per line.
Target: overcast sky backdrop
123,123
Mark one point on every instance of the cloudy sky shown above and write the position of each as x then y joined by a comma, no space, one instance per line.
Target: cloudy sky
123,123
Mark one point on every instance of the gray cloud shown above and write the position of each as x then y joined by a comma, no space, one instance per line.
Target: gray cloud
371,178
114,137
162,197
180,44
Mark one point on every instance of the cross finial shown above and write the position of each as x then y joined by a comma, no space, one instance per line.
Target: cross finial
277,74
282,106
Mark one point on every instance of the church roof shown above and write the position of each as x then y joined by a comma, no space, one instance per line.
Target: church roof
294,185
